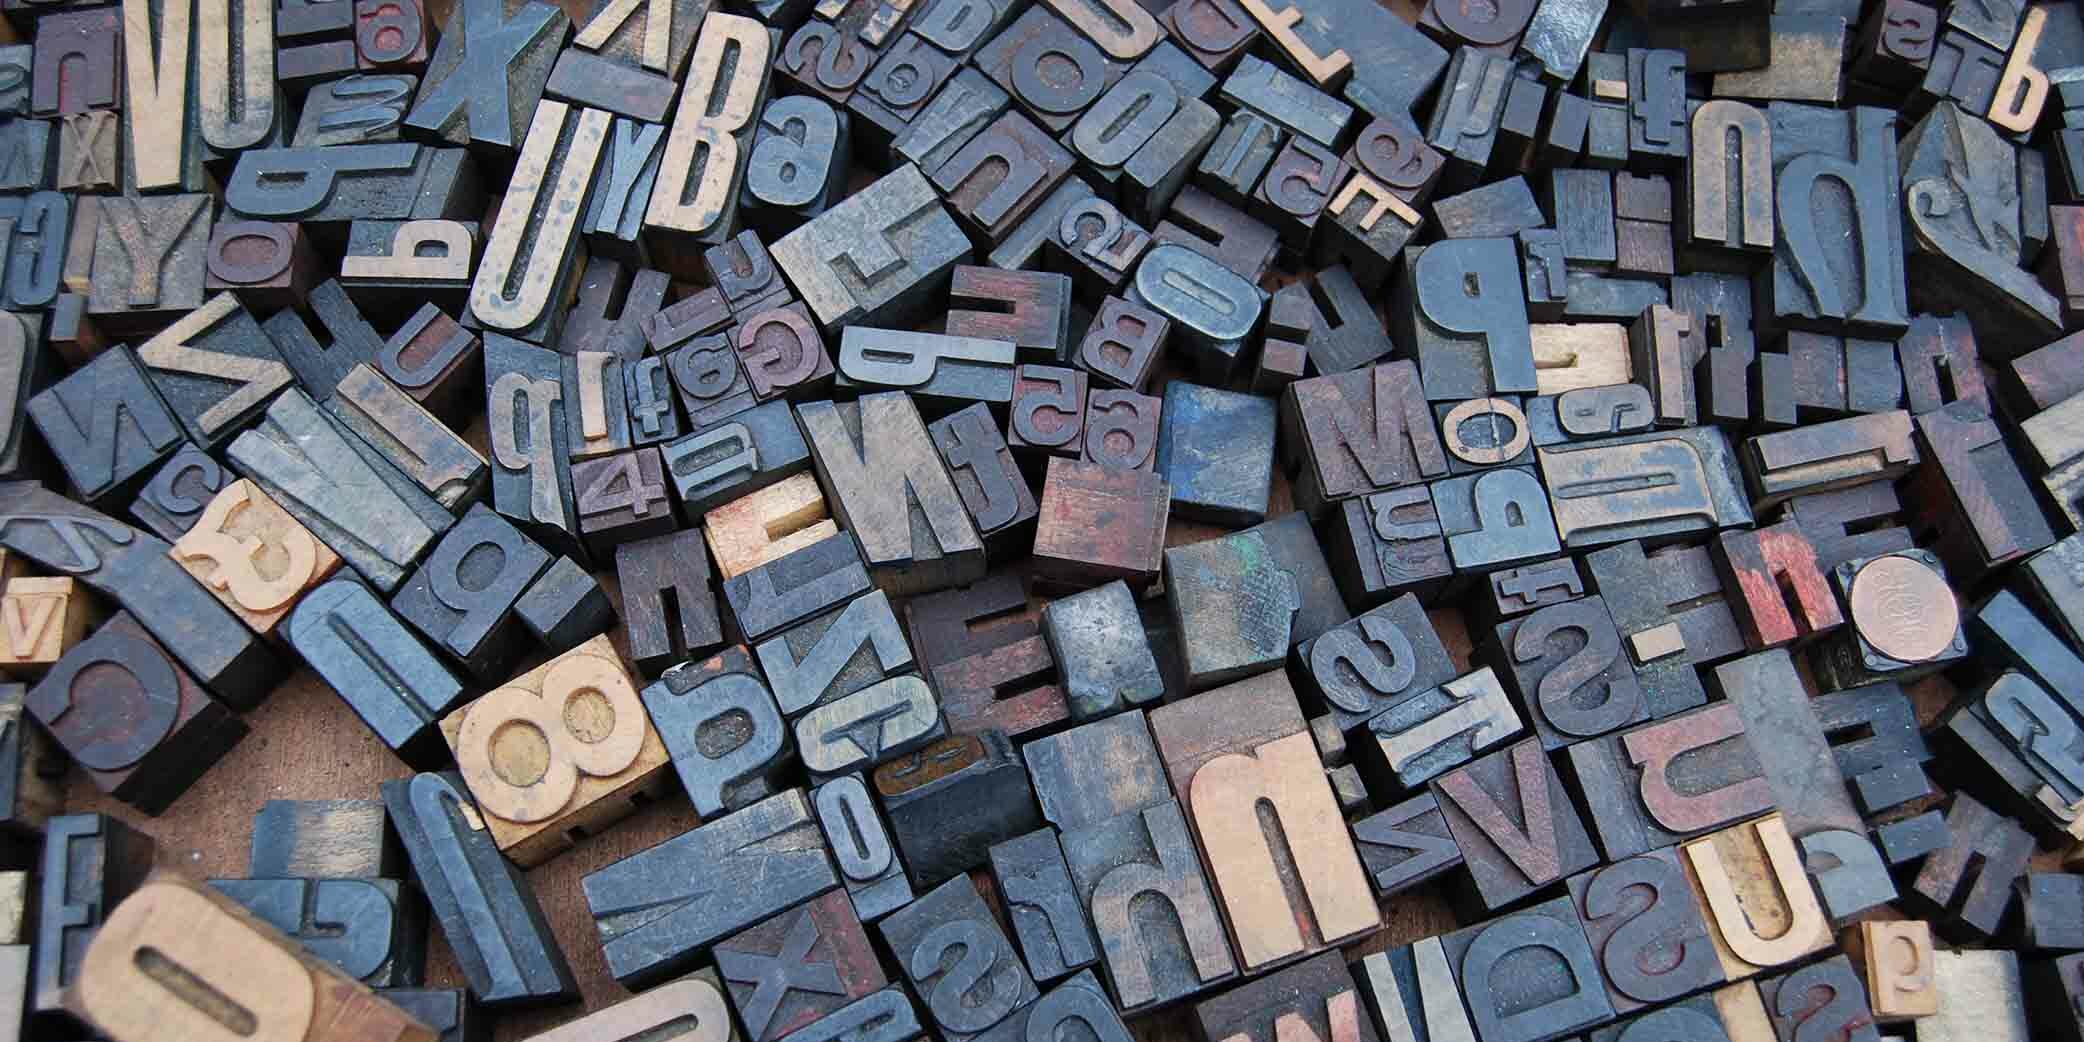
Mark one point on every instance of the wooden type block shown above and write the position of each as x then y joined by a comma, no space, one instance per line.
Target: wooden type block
1212,32
954,915
1412,989
1030,309
940,372
217,956
1067,767
1345,669
1465,116
386,675
783,354
1807,787
1123,345
525,414
1237,160
814,663
1821,1000
35,250
1946,162
1874,736
351,341
825,58
1997,847
902,84
1517,591
857,447
149,260
710,382
1802,44
890,718
1582,201
324,839
895,228
967,102
1460,303
801,965
1441,728
951,801
269,264
1500,208
392,266
767,524
1642,225
1104,658
1389,543
1567,666
1484,432
1981,996
1298,184
252,556
695,198
1493,518
1896,961
352,110
1779,594
1048,922
668,606
862,847
1100,523
76,67
1513,822
1909,839
1566,995
32,792
722,730
1729,182
488,73
781,593
797,167
1215,449
1244,744
161,110
530,258
1405,845
1682,776
1001,174
886,1016
372,930
1758,904
1363,431
392,35
81,418
2054,579
586,783
743,272
614,220
1395,154
2049,907
409,437
489,916
1649,953
134,569
214,369
1136,857
621,498
634,294
327,188
1047,410
564,606
1820,278
694,1007
1238,600
1826,456
1212,308
132,717
1369,228
462,597
89,151
991,486
1289,103
1317,995
1977,505
1940,364
91,862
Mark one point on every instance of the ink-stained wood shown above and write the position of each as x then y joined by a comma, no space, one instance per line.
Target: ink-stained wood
894,228
858,447
106,425
660,629
1122,347
132,717
351,341
1972,905
835,654
526,420
217,954
1363,431
488,72
1121,429
354,110
1670,780
891,718
1568,987
215,369
438,460
1099,523
76,65
1826,456
1776,585
161,126
1896,959
324,839
951,801
620,498
1822,999
529,260
1649,953
372,930
149,260
269,264
985,986
462,596
588,779
41,618
1516,828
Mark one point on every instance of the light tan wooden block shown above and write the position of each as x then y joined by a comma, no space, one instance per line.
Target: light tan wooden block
253,555
757,528
41,618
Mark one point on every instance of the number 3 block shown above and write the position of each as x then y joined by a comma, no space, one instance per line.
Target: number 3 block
558,752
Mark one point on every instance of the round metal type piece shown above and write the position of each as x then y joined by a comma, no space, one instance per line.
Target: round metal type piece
1904,609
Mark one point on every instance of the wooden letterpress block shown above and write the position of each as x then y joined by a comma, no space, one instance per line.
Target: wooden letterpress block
530,258
783,592
896,228
1230,749
943,372
462,108
1067,766
351,341
1826,456
267,263
1215,450
1405,845
620,498
697,999
1364,667
890,718
91,862
1836,266
391,266
133,568
1121,429
662,630
867,858
951,801
1651,953
783,354
587,783
32,783
923,931
192,361
992,488
120,682
1099,523
526,412
1997,847
76,67
1462,304
1569,985
1758,904
967,102
564,606
439,461
1807,787
1101,651
82,418
1362,431
1389,543
1977,504
1897,965
40,620
253,556
489,916
219,954
1139,856
1047,410
1780,594
1212,308
1029,308
1221,232
1239,603
798,163
323,839
387,676
1000,676
1980,996
1567,665
1050,925
1318,994
1041,38
1662,782
1824,999
373,930
1516,828
1496,517
1412,989
462,596
779,971
858,447
835,654
353,110
1713,200
767,524
722,730
1874,736
596,405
